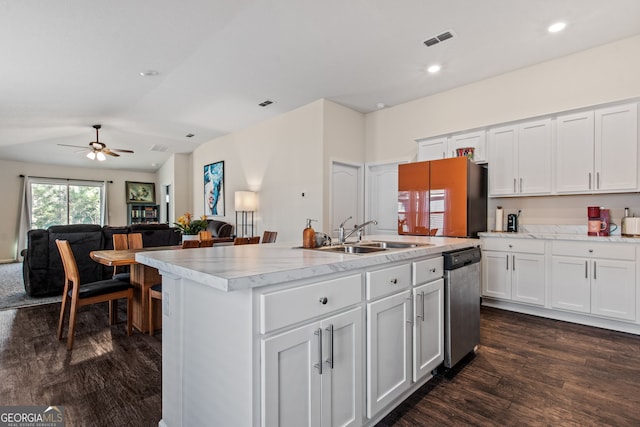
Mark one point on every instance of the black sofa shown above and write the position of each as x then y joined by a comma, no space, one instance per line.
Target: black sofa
42,269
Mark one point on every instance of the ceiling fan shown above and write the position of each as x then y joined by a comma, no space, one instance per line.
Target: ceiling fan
98,149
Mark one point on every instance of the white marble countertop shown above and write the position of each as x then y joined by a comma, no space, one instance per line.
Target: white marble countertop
562,236
230,268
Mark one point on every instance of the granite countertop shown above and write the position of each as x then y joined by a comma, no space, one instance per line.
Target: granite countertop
229,268
561,232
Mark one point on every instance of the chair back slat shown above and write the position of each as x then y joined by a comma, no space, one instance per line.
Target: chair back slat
269,236
72,277
206,243
246,240
135,240
187,244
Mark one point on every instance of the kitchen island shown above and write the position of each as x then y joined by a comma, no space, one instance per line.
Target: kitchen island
278,335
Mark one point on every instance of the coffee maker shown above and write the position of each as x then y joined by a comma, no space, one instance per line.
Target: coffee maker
512,222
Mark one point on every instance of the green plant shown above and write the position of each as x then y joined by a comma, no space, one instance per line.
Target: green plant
190,226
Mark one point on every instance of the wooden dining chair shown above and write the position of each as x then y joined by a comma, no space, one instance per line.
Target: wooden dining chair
269,236
135,240
155,292
88,293
121,242
246,240
188,244
205,235
206,243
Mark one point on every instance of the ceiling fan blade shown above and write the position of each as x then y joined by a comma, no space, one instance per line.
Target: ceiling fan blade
75,146
121,150
110,153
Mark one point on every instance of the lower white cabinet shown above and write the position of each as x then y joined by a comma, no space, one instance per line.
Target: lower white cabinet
388,350
516,272
428,328
312,376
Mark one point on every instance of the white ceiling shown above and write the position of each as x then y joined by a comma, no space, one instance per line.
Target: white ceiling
66,65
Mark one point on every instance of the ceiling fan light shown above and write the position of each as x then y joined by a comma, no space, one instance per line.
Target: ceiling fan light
101,157
91,155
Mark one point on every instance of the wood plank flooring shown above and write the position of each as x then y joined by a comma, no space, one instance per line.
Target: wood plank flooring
527,371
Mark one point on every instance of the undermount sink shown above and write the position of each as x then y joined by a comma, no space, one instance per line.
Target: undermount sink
393,245
351,249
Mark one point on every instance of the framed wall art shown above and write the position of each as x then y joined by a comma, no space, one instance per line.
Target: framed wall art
140,192
214,189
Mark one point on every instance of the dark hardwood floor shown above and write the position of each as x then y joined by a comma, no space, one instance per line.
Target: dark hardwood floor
527,371
530,371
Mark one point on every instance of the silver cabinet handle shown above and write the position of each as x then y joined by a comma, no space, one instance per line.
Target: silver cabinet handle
323,300
330,359
507,262
513,262
586,267
421,295
318,365
444,155
589,180
597,180
521,185
595,272
514,185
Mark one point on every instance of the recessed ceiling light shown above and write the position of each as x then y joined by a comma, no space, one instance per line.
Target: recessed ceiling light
433,68
380,105
149,73
557,27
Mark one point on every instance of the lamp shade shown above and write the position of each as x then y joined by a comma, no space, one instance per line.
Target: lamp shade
246,201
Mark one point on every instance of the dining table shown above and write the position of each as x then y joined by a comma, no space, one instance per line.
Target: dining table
142,278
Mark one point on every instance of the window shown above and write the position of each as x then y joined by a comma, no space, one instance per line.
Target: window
60,202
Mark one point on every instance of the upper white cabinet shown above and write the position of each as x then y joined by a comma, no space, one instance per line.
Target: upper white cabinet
597,151
477,140
520,162
432,149
446,147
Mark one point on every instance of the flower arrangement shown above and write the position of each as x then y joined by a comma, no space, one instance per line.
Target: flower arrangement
190,226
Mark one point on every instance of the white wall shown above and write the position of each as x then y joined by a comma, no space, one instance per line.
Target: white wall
11,189
175,172
603,74
279,158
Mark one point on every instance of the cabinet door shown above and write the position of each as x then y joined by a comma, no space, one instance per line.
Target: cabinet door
574,153
496,274
388,350
613,289
428,328
527,275
502,161
570,284
432,149
291,378
342,373
534,157
477,140
616,148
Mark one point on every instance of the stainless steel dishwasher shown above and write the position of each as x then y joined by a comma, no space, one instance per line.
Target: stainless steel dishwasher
462,303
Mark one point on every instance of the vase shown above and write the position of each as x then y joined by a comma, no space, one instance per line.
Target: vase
190,237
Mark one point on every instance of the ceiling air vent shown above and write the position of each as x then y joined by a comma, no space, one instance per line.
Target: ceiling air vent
265,103
157,147
439,38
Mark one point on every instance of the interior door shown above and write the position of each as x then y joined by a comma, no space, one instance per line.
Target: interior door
347,195
382,198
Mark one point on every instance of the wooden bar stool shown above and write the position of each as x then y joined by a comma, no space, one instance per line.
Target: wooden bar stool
246,240
155,292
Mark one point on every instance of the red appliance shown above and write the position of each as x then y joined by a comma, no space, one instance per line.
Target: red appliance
445,197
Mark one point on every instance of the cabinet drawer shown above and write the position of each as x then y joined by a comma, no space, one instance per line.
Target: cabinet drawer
531,246
427,270
289,306
594,250
388,280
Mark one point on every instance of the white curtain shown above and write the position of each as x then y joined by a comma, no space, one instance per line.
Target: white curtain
104,215
25,218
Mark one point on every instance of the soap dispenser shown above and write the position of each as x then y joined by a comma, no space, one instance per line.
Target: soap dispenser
309,236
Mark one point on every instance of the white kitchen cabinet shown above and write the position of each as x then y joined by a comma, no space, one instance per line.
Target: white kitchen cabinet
597,150
388,350
514,269
432,149
477,140
520,159
312,374
594,278
428,328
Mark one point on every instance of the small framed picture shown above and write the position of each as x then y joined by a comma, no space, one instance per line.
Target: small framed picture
214,189
140,192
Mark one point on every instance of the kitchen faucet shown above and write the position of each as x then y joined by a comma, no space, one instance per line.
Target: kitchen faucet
356,228
341,230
